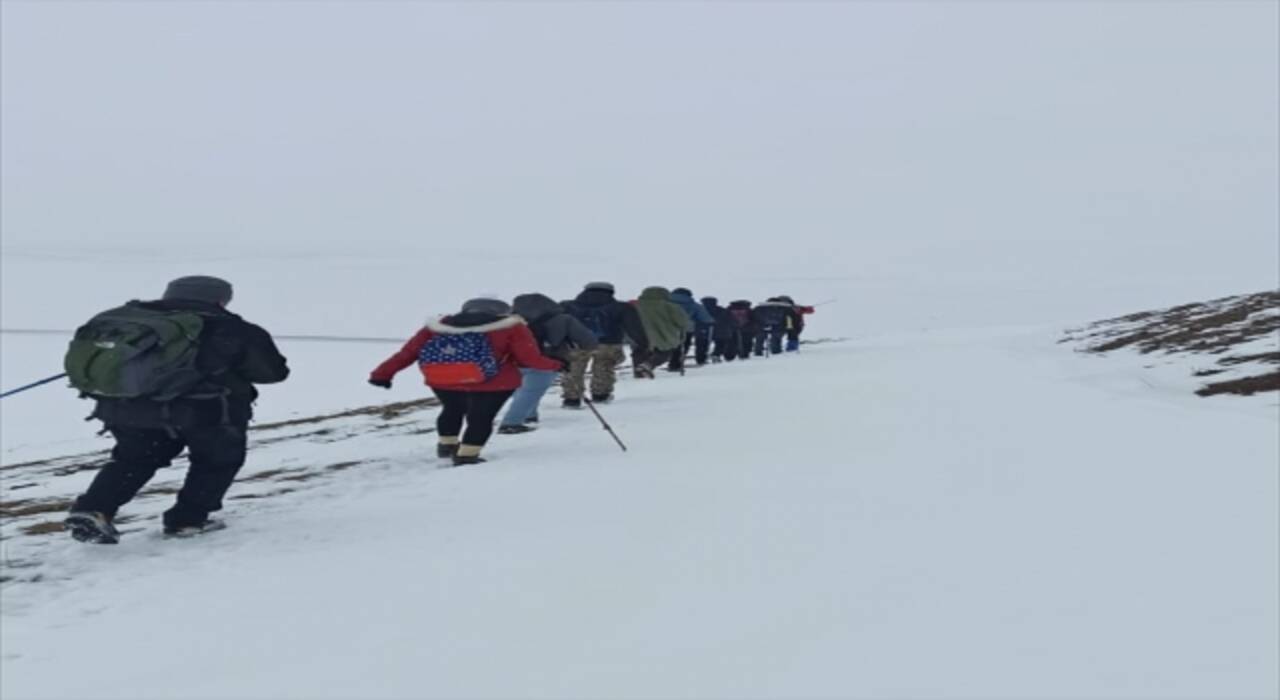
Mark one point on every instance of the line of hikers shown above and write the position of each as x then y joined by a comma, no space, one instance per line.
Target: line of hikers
179,373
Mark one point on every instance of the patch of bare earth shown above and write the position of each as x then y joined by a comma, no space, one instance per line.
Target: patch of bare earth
1228,330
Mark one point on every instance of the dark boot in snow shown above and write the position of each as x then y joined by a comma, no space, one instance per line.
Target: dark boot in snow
172,531
572,403
601,398
468,454
92,527
531,420
515,429
446,450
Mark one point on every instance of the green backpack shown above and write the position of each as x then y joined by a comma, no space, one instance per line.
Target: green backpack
134,352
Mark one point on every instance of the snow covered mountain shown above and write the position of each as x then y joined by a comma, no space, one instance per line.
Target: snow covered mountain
953,502
940,514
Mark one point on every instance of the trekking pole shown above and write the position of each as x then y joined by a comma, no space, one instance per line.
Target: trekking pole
824,303
33,385
592,405
582,391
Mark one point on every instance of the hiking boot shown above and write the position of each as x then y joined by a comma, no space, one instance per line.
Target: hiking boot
92,527
515,429
601,398
572,403
171,531
463,460
643,371
444,451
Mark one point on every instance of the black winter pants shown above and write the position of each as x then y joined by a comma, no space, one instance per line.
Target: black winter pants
651,358
701,345
478,409
728,347
216,453
774,337
699,341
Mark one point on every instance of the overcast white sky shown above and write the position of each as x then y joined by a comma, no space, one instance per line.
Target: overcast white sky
1005,141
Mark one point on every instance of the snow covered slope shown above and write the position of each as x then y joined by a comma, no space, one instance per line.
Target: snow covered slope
977,513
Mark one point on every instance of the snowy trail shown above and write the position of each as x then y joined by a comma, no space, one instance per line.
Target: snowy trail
968,514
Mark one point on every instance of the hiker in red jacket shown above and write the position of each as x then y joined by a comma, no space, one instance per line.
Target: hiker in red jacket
471,362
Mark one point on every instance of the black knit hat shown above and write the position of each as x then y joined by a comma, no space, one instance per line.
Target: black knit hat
199,288
486,305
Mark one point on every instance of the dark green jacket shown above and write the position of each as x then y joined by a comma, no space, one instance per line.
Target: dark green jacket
665,323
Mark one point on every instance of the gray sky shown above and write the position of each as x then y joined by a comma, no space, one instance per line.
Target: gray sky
1002,142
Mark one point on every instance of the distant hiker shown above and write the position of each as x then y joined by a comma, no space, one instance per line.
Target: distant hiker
703,323
772,318
167,375
558,335
471,362
741,312
724,332
665,324
795,323
612,322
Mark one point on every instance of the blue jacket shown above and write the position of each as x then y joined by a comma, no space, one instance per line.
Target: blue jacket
696,311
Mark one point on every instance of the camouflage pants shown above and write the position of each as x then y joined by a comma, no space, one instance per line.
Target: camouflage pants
604,362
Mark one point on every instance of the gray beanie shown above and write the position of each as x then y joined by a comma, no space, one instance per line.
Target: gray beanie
199,288
599,286
485,305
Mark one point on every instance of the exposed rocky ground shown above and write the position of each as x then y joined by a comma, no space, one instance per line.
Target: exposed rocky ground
1238,337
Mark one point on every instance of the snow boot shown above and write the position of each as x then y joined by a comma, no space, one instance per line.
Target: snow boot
643,371
572,403
446,450
601,398
515,429
182,531
92,527
468,454
531,420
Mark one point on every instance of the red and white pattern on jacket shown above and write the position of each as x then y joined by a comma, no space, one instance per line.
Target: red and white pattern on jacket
513,346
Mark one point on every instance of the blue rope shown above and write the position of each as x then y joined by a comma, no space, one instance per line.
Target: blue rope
33,385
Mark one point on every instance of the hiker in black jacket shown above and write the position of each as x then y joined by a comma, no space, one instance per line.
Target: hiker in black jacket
741,312
725,334
773,318
209,418
558,335
612,322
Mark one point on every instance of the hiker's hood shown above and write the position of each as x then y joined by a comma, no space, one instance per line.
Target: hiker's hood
535,306
596,297
472,323
655,294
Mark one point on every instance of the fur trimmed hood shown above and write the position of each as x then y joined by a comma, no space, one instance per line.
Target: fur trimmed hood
441,325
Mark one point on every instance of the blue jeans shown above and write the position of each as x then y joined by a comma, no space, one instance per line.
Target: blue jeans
524,404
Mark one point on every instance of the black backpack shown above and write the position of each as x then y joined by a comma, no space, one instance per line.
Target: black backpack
597,319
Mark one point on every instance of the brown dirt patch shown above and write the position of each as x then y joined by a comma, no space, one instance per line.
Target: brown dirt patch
1244,387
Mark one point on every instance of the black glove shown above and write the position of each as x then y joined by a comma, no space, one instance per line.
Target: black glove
384,383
